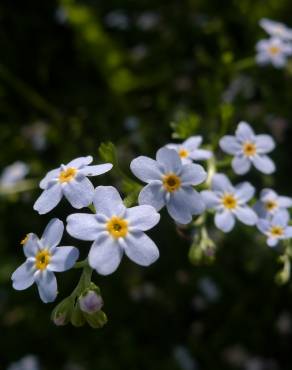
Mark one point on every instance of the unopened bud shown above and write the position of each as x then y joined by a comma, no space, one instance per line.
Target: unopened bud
90,302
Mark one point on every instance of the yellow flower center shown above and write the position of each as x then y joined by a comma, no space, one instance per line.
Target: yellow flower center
270,205
274,50
276,231
229,201
171,182
67,175
183,153
249,149
42,259
24,240
117,227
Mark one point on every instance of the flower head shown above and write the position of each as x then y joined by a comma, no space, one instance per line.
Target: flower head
270,203
71,181
170,183
189,150
229,202
12,174
276,228
276,29
115,229
43,258
249,149
274,51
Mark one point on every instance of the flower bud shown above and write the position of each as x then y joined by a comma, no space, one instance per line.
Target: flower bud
91,302
62,312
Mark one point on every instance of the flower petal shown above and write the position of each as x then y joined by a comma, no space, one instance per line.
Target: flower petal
152,194
244,191
105,255
192,174
264,164
140,249
31,247
63,259
244,132
200,154
49,177
169,160
263,225
281,218
210,198
285,202
83,226
146,169
192,143
288,232
47,285
96,170
23,276
240,165
229,144
246,215
79,193
142,217
272,242
53,233
224,221
265,144
108,201
220,182
80,162
48,199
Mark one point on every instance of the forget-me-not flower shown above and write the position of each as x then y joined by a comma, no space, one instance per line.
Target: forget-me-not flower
13,173
115,229
270,203
189,150
229,202
71,181
276,29
275,228
43,258
170,183
274,51
249,149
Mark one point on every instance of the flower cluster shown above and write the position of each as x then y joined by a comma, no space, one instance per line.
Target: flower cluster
278,47
114,227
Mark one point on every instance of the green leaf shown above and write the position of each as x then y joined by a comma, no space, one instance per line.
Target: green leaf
108,153
186,126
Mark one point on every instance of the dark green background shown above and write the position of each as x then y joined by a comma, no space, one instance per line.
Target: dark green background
63,64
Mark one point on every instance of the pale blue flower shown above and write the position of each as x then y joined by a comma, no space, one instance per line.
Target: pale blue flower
229,202
13,173
90,302
270,203
28,362
276,29
275,228
249,149
273,51
170,183
43,258
71,181
115,229
189,150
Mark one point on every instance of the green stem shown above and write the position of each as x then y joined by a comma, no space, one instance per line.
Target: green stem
244,64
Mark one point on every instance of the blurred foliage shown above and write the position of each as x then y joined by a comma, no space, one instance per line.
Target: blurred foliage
74,74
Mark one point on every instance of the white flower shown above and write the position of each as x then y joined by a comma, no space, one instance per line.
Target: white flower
274,51
249,149
44,257
170,183
115,229
12,174
270,203
71,181
275,228
189,150
276,29
229,202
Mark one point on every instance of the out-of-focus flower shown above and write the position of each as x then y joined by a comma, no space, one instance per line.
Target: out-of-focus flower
276,29
170,183
147,21
28,362
209,288
249,149
117,19
43,258
115,229
71,181
36,134
189,150
270,203
184,358
12,174
276,228
274,51
230,202
90,302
